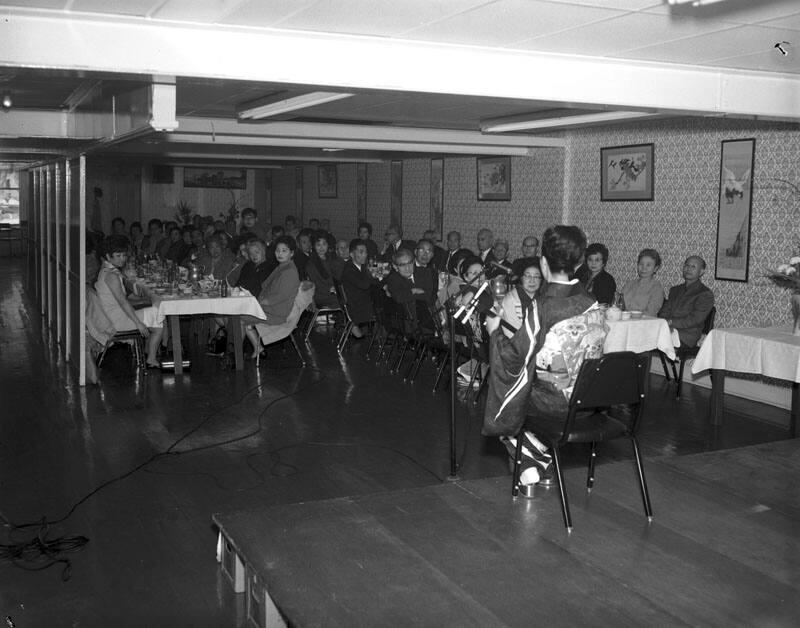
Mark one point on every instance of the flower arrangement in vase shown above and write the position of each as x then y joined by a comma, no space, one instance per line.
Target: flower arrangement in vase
787,276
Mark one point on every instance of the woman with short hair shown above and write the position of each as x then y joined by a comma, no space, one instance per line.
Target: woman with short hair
645,293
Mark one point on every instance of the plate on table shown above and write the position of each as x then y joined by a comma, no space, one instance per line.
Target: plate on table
636,314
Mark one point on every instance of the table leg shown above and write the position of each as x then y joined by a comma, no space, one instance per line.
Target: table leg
177,349
793,427
235,332
717,409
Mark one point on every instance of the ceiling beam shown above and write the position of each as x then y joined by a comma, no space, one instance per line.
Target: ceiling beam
139,46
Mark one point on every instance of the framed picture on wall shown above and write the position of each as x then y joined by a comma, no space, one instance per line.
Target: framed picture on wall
214,178
437,196
494,178
626,173
326,181
735,205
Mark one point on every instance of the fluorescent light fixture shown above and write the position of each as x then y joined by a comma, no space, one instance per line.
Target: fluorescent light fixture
694,3
498,126
291,104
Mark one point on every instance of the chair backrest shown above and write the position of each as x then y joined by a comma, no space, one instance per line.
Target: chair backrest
613,379
708,324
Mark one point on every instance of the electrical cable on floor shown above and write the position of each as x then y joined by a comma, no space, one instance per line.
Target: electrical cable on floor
39,553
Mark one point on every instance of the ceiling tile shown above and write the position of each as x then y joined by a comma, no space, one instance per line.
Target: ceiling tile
261,14
623,5
35,4
368,17
633,30
207,11
764,61
507,21
790,21
739,40
115,7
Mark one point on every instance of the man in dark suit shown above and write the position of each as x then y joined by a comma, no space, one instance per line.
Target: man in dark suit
426,276
393,242
439,254
455,252
485,243
365,234
358,285
405,293
689,303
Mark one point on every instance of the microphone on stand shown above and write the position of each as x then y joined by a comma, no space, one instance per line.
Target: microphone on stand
499,266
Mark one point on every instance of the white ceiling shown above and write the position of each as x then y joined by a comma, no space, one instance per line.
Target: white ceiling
408,61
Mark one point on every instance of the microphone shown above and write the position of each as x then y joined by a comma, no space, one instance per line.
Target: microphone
500,266
472,303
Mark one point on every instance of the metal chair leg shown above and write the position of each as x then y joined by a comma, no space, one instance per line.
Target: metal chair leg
648,510
679,379
517,466
419,354
297,349
664,365
311,323
403,350
440,371
592,459
562,491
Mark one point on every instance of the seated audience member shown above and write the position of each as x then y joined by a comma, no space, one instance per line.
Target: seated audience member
340,258
250,224
358,286
118,227
313,224
240,260
176,252
302,251
519,300
472,276
290,226
500,265
530,256
278,290
110,289
320,273
645,293
136,238
454,252
404,291
154,237
689,303
325,227
276,232
485,240
255,271
439,254
215,259
197,247
393,242
593,274
425,275
207,227
365,235
533,372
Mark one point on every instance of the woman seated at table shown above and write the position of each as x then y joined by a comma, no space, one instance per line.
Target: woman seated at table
593,274
257,269
216,260
110,289
320,272
645,293
519,300
277,292
178,248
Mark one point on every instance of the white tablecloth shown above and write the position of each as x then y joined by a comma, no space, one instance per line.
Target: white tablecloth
770,351
640,335
228,306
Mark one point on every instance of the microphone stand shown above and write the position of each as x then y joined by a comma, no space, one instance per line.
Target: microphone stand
450,309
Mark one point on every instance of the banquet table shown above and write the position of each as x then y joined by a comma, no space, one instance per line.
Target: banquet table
641,334
769,351
172,307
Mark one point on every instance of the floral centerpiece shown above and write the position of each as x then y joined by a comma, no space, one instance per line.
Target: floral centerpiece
787,276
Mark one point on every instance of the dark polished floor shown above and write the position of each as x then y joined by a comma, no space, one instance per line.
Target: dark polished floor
157,454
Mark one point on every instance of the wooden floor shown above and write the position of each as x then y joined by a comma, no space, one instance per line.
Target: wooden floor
237,440
721,551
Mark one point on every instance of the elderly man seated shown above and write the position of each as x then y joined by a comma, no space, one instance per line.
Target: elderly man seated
689,303
404,291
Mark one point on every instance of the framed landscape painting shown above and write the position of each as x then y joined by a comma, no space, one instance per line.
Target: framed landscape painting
494,178
626,173
326,181
735,205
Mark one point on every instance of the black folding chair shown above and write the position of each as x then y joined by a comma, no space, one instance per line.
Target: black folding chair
612,380
686,353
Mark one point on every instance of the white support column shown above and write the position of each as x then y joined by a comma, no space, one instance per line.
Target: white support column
82,269
60,278
68,258
48,221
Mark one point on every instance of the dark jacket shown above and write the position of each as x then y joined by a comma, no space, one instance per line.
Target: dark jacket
603,286
358,285
688,308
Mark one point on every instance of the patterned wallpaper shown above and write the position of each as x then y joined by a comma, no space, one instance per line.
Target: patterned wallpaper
682,218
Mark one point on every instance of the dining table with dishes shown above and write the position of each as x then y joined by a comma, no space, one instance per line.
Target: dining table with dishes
177,294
